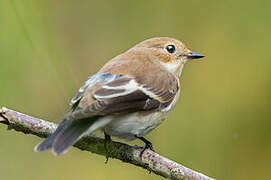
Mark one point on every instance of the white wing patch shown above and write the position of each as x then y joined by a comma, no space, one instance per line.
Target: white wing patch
130,85
128,88
97,78
149,93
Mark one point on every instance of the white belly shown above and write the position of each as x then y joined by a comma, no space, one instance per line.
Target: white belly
138,123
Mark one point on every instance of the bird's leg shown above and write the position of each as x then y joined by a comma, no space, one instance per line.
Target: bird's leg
107,139
148,145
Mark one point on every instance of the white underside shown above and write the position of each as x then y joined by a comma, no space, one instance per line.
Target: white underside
127,126
138,123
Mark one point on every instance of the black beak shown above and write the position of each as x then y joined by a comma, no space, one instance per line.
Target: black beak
193,55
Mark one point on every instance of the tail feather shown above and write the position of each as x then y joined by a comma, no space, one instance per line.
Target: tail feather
48,142
71,134
66,134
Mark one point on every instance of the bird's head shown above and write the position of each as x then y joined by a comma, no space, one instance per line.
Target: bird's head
170,52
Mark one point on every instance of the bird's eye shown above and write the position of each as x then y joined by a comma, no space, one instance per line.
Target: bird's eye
170,48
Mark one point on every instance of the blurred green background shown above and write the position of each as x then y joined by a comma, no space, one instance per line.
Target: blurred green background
221,125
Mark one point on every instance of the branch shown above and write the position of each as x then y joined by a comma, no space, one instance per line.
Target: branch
126,153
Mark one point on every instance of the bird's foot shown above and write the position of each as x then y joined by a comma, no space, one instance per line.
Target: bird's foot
107,140
148,145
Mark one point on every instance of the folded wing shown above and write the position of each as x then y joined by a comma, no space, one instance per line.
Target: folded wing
106,93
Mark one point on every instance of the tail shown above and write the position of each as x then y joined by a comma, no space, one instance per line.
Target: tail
67,133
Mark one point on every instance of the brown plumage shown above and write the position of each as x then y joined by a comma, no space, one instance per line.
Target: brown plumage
130,95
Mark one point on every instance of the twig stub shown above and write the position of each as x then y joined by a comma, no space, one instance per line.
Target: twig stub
3,119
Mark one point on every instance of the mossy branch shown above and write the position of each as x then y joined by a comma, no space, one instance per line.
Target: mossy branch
126,153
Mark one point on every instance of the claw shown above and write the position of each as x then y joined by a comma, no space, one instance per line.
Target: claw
148,145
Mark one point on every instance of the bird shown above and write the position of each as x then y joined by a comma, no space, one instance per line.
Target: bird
128,97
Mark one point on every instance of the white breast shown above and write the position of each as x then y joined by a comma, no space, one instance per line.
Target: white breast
138,123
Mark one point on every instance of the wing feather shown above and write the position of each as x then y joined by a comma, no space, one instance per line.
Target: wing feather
99,78
107,94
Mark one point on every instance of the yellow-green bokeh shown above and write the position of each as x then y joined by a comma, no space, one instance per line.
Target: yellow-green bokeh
221,125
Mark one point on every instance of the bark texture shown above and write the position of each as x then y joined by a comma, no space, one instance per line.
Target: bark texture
126,153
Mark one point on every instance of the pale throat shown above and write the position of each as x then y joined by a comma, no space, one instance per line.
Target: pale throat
175,67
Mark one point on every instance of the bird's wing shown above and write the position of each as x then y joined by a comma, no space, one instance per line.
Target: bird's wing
105,94
93,83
